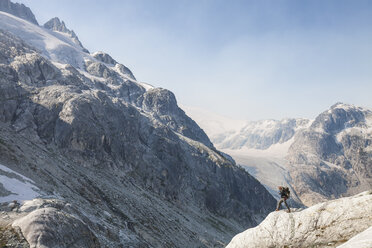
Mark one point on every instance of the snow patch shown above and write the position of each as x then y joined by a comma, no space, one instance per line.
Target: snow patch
21,189
53,45
275,152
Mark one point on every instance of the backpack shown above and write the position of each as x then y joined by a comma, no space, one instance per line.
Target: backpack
286,191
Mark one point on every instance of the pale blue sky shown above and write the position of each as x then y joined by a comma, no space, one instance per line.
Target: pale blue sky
242,59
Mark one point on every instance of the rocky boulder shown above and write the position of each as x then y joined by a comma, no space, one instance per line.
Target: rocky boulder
327,224
45,223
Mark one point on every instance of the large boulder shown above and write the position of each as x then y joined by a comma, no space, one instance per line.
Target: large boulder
326,224
51,223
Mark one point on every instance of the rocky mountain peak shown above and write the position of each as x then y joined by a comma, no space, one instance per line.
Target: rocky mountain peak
55,24
19,10
339,117
331,158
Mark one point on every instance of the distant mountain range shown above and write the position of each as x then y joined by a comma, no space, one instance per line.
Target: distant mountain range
319,159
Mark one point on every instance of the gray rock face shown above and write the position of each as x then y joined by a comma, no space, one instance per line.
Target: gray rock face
19,10
331,158
55,24
163,104
129,159
107,59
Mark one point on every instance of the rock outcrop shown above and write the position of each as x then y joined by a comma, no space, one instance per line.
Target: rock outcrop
18,9
51,223
327,224
107,59
45,223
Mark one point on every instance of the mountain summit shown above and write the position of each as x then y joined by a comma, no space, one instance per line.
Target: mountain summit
19,10
55,24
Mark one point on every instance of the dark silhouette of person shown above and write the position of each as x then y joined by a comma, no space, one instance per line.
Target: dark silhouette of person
284,195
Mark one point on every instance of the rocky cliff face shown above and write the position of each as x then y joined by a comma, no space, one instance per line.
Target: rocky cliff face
327,224
332,157
19,10
136,169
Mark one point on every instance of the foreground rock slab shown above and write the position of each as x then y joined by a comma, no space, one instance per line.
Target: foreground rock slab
327,224
362,240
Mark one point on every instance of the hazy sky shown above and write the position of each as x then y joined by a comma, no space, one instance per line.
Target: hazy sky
243,59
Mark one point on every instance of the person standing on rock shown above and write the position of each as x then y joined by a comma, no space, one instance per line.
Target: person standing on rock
284,195
14,205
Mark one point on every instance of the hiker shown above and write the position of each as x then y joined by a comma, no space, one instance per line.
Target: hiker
14,206
284,195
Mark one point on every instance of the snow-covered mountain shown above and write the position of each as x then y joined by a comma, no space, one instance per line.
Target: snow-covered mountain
226,133
59,26
18,9
114,161
319,159
328,224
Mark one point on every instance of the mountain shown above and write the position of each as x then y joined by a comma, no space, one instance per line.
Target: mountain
263,134
19,10
332,157
327,224
319,159
105,159
56,25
